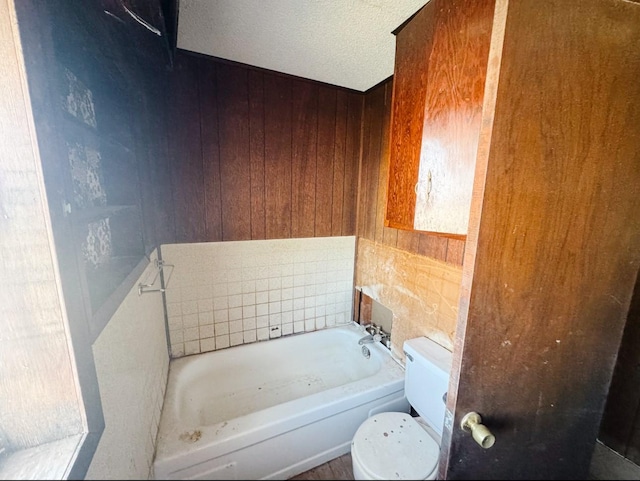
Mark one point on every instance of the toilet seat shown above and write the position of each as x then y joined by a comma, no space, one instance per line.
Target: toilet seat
393,445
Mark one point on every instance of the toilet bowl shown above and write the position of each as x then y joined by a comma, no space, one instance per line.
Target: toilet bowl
395,445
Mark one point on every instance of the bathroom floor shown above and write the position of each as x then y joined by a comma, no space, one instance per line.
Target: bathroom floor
338,468
605,465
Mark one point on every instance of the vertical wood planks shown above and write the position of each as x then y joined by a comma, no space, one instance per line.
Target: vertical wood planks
210,149
185,152
339,163
260,155
373,147
235,161
303,168
352,160
325,160
256,134
277,140
373,195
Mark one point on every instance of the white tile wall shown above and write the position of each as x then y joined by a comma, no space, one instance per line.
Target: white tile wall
223,294
132,366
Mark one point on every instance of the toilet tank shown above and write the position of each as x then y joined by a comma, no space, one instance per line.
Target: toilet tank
427,379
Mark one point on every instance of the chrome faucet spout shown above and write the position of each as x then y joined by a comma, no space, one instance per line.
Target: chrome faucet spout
366,339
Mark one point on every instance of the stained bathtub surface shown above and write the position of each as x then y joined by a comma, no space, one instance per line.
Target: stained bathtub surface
223,385
299,393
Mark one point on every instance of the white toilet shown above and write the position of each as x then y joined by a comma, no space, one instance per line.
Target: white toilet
394,445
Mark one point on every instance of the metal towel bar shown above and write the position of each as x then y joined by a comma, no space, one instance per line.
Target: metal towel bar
144,287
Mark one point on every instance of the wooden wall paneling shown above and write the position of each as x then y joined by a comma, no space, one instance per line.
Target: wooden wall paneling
376,159
324,166
208,90
339,161
256,140
383,170
374,150
389,234
163,213
185,151
408,240
146,152
365,166
234,142
455,251
352,161
277,140
432,246
304,158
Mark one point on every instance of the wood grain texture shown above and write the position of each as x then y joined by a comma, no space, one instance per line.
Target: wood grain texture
304,159
373,188
340,468
455,251
452,114
339,160
373,151
208,97
277,151
553,267
324,166
413,45
256,132
353,144
260,134
383,170
235,161
163,220
186,153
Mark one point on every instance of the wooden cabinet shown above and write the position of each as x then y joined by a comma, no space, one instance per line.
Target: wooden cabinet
441,64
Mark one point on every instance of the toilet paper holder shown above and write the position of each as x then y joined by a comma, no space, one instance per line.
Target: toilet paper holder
472,423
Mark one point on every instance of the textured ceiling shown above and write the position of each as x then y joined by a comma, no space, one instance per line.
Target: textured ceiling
342,42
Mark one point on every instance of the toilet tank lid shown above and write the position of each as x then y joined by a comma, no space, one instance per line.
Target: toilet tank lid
429,350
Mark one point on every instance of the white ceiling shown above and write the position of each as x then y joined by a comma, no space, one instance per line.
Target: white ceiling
342,42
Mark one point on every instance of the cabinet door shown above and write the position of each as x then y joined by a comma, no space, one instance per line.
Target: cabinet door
453,108
413,44
435,137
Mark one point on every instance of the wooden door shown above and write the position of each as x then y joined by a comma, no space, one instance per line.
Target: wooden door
553,248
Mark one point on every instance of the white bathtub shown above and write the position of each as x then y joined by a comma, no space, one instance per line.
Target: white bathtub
273,409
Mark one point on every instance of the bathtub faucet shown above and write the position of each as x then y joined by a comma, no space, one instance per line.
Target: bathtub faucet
366,339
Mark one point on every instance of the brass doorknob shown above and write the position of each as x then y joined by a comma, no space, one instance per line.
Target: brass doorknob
472,422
